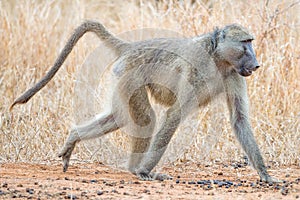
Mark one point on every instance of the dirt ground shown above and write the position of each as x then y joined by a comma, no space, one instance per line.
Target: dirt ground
97,181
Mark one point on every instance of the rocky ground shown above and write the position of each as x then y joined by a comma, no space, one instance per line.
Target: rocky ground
191,181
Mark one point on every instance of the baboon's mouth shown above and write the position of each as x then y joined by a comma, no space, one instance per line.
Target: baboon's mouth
245,72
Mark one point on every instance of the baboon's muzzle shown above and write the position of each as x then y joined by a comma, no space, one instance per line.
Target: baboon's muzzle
244,71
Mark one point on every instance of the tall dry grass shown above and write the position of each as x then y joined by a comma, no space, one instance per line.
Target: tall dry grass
33,33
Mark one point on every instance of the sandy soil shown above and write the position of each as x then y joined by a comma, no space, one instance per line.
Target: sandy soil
191,181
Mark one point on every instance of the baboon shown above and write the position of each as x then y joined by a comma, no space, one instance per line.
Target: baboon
181,74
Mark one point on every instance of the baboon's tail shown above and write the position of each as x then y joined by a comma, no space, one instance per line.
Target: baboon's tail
89,26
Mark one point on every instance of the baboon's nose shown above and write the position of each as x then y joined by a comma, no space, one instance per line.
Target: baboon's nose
256,67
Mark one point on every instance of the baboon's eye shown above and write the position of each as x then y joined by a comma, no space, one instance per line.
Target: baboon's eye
246,41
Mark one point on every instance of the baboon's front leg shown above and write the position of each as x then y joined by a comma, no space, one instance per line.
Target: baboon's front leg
159,145
93,129
237,100
143,117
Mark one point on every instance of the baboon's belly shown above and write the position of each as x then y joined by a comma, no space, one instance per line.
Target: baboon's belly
162,94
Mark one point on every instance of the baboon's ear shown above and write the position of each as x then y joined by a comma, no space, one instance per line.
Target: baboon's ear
217,37
221,36
214,39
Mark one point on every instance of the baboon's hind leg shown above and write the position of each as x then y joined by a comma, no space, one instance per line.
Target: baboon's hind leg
95,128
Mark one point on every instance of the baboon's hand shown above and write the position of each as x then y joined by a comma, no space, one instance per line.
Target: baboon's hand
144,176
153,176
66,154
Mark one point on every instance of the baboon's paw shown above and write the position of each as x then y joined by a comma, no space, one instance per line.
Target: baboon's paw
65,154
161,177
144,177
270,179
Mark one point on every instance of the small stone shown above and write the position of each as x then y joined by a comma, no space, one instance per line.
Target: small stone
114,191
66,178
62,193
191,182
297,196
220,184
36,183
93,181
1,192
208,188
229,182
122,182
30,191
125,193
110,184
201,182
287,175
4,185
284,191
277,187
220,173
177,181
99,192
71,196
178,176
207,182
19,185
270,184
146,191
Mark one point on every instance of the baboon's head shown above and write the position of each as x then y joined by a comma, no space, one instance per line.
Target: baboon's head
234,46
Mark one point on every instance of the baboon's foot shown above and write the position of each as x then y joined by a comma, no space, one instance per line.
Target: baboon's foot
270,179
66,155
161,177
153,176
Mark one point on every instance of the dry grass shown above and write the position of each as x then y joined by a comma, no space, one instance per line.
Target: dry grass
33,33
